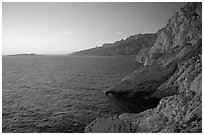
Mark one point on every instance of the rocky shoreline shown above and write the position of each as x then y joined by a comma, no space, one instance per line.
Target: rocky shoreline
172,72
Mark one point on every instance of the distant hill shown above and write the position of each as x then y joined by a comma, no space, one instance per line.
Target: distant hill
130,46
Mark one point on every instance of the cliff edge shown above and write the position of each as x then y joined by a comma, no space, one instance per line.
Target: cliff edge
172,72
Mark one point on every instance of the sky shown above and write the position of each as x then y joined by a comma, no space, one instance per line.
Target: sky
65,27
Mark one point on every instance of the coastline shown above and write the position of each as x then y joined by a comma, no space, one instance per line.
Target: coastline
180,90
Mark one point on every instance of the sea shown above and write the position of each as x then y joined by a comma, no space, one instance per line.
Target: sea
62,93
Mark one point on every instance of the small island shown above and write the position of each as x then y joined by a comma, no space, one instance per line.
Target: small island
26,54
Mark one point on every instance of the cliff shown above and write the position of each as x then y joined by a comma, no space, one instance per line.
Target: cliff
130,46
172,72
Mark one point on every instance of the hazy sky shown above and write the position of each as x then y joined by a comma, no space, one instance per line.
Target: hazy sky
61,28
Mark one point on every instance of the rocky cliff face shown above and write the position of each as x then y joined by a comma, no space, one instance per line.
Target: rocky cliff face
172,71
130,46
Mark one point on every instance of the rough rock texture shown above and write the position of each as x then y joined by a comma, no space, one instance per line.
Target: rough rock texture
177,43
178,113
172,71
144,80
130,46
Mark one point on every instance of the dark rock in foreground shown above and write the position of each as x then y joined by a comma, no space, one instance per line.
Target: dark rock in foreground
173,72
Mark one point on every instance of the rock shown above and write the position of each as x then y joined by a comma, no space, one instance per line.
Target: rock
144,81
172,71
110,125
174,114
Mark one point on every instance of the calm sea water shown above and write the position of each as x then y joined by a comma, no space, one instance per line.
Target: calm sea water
60,93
